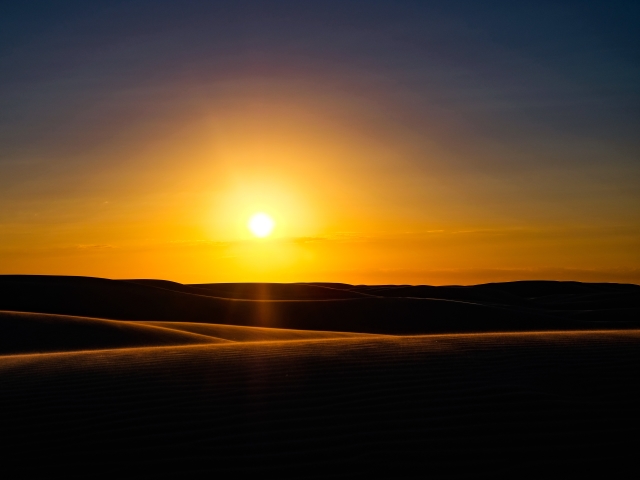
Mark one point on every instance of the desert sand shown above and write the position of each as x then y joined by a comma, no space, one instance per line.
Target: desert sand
149,378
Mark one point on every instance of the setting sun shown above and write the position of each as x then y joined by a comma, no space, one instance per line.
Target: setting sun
261,224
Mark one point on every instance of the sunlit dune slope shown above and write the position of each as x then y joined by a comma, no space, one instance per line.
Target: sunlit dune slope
253,334
125,300
34,333
22,333
452,405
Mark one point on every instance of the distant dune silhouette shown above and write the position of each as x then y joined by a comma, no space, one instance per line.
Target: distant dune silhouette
380,310
314,380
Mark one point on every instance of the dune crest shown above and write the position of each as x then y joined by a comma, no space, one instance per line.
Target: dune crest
254,334
22,332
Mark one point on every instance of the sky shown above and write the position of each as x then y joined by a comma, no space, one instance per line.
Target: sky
406,142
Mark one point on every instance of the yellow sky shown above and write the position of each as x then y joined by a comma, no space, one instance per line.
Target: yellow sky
357,197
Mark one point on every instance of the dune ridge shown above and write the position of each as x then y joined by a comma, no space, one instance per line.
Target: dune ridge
254,334
473,311
23,332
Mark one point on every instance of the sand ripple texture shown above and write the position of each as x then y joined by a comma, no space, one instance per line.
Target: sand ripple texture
445,405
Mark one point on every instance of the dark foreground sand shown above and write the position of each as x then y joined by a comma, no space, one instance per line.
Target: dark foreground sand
141,397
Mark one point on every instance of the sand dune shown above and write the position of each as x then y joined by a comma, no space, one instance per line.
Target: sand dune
253,334
516,404
276,291
467,294
22,333
125,300
254,291
595,301
522,289
32,333
148,378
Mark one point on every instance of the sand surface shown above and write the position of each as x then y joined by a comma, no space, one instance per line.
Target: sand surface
134,392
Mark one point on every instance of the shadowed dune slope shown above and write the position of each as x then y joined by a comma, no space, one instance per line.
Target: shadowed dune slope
35,333
543,288
254,291
126,300
276,291
171,286
595,301
254,334
601,317
466,294
532,293
521,288
549,404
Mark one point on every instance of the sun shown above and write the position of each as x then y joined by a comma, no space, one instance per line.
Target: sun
261,224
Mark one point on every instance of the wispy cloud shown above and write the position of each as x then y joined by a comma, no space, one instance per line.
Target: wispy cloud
95,246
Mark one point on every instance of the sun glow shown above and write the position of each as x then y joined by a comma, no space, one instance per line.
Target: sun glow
261,224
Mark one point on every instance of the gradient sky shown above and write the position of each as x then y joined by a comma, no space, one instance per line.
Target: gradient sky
395,141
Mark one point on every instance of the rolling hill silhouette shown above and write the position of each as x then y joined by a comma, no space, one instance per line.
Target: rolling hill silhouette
484,308
151,378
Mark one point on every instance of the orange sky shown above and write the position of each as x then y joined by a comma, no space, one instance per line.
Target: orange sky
355,199
402,167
